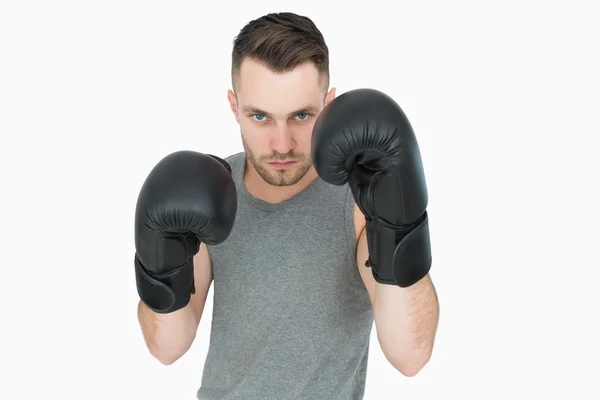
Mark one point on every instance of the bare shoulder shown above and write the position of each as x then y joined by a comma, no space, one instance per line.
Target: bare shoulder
203,277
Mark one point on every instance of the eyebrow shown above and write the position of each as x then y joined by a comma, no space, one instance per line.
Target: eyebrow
306,109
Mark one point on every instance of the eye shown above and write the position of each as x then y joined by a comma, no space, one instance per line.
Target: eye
302,116
259,117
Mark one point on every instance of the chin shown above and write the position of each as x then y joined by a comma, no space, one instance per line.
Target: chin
283,177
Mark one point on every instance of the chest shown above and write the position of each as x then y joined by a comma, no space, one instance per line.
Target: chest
303,256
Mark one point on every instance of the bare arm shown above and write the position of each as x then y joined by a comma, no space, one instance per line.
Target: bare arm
406,318
170,336
407,321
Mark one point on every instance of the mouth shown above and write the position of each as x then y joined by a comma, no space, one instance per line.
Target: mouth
282,164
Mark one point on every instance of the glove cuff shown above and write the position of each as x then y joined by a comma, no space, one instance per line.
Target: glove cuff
222,162
165,293
399,255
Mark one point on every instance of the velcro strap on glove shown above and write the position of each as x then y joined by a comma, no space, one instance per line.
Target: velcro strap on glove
399,255
168,292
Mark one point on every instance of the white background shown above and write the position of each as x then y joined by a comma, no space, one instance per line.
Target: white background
504,98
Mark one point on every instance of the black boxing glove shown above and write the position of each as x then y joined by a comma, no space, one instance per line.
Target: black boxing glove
187,198
363,138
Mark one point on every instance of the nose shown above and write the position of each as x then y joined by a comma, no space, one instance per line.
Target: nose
283,141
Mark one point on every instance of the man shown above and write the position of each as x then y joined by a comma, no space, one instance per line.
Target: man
291,232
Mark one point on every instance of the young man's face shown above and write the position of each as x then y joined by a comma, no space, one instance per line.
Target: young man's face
276,114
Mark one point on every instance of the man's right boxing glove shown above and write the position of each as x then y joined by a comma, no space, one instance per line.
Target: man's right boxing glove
187,198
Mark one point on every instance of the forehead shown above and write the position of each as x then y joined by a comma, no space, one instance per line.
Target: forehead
279,93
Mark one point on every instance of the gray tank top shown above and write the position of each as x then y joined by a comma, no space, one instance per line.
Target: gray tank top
291,316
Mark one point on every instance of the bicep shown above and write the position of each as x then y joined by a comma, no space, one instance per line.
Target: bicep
203,277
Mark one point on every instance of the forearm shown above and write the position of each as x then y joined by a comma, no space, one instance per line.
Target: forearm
406,320
168,336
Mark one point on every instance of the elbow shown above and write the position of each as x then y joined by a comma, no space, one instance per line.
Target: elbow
167,354
409,371
167,361
165,358
410,367
163,354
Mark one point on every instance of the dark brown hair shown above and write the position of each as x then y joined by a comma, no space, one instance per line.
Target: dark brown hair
282,41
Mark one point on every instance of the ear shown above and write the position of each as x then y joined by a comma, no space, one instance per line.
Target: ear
330,96
233,104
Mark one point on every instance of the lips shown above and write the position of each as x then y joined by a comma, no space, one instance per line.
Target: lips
282,163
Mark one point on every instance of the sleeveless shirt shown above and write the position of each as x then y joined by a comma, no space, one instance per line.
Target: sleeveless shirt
291,316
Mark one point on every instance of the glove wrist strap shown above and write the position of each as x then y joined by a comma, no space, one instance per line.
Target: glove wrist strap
165,293
399,255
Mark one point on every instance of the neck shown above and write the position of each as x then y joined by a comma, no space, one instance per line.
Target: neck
260,189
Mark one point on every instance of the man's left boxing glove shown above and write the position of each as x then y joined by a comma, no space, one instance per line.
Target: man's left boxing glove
364,139
187,198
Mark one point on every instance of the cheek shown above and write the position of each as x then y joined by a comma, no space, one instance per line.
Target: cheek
254,136
303,138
